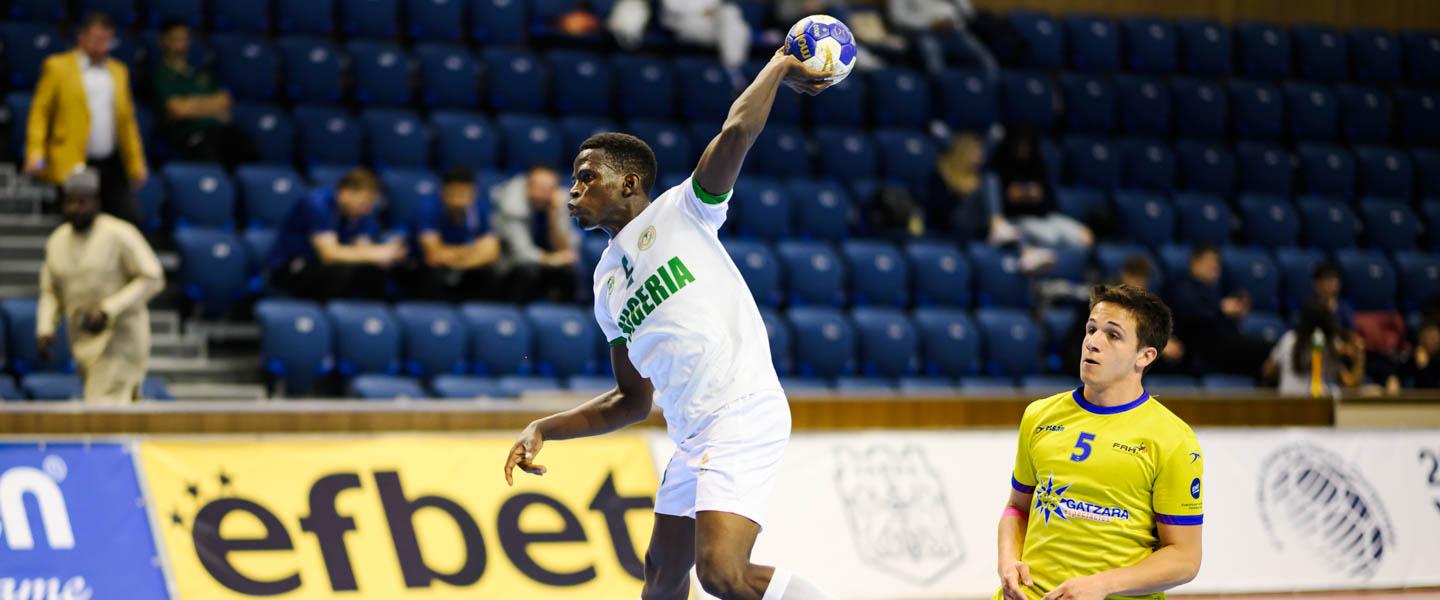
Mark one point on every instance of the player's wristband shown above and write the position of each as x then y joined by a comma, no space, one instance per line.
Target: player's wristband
1010,510
708,197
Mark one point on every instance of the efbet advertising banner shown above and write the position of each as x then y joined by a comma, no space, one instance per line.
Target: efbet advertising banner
73,525
404,516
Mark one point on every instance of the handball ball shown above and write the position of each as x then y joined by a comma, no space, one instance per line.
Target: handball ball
824,44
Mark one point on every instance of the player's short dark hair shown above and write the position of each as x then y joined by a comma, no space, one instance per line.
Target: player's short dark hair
1202,250
626,154
457,175
94,19
1326,270
173,24
359,180
1153,322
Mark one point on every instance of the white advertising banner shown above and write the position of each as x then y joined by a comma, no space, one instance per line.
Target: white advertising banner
885,514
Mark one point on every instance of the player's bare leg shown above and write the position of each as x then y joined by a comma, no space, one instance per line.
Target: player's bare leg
723,542
668,561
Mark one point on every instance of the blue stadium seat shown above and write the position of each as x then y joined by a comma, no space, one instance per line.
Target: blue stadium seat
778,331
1012,341
270,128
789,109
249,17
646,87
514,386
465,139
1264,168
1386,173
906,157
879,274
258,242
1258,110
1027,99
1174,261
1377,56
190,12
214,268
998,280
698,101
824,342
1366,114
295,342
436,340
1203,218
436,20
846,154
577,128
1206,49
38,11
950,343
1265,325
1055,322
781,150
386,387
1146,218
315,17
8,389
17,104
312,70
1368,279
122,12
806,386
1327,170
865,386
1046,385
1314,112
449,76
1081,203
1269,221
1043,36
267,193
675,152
26,46
1092,162
464,387
814,274
1223,384
1390,226
330,135
1422,53
565,339
531,141
1427,167
370,18
381,73
842,105
590,384
24,352
968,100
900,97
941,274
1264,50
888,342
927,387
326,175
1201,108
398,138
821,209
1111,256
987,386
497,22
1297,273
1143,105
582,82
1329,222
201,195
1172,384
52,386
406,191
1206,167
1321,53
1147,165
763,210
153,204
1093,44
1419,277
367,337
1418,119
1090,104
500,339
1151,46
1253,271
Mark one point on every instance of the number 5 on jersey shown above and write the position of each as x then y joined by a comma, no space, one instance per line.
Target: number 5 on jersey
1082,447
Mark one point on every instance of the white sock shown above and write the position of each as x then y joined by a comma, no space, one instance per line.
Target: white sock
785,585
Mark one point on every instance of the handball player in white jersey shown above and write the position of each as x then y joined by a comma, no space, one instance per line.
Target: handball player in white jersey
685,334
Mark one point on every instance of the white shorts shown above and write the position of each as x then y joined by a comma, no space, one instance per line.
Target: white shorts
729,464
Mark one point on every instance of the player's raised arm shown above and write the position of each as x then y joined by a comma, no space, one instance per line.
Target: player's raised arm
720,164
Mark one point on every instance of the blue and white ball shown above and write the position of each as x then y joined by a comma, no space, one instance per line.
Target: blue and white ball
824,44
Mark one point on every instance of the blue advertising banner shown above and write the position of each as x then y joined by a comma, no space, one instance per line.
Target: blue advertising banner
73,525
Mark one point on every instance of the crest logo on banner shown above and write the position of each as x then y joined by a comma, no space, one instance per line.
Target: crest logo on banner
1315,504
897,512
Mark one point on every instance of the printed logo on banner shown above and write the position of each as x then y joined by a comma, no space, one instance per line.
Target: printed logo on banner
1431,461
73,525
895,506
1316,504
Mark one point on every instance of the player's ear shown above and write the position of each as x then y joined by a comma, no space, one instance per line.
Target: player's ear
1146,357
630,185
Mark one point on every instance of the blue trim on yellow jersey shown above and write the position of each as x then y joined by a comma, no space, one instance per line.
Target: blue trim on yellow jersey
1020,487
1165,519
1079,395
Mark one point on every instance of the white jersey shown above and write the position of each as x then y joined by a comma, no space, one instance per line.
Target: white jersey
667,288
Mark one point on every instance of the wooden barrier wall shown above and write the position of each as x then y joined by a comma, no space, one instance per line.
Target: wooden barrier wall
1385,14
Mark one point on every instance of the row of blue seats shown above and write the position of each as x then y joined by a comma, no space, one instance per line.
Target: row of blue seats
67,386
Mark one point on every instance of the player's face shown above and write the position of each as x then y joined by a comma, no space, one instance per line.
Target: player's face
1111,349
596,194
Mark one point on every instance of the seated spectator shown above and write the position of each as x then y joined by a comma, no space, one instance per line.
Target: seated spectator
962,199
330,245
578,22
1210,323
1422,370
1028,209
1326,283
938,28
717,23
1134,272
196,109
540,242
458,252
1342,365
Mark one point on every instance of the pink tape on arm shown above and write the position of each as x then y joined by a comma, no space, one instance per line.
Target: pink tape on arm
1010,510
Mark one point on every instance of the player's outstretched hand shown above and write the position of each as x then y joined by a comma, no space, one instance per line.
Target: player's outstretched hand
522,454
1079,588
801,78
1012,576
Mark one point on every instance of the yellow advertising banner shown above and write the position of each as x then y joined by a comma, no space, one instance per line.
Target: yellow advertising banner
401,517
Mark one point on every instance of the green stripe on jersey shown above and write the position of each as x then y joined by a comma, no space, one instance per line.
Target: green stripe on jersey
619,341
707,197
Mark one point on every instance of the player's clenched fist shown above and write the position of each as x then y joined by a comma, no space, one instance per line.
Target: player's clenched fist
1079,588
522,454
1013,575
803,79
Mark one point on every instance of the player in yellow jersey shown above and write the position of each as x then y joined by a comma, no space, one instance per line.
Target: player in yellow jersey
1105,498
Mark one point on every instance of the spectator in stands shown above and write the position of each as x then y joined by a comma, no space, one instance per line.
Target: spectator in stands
579,21
1027,203
196,108
83,114
938,28
1135,272
1342,355
1423,370
962,199
1209,323
331,246
1326,281
716,23
98,275
456,247
540,242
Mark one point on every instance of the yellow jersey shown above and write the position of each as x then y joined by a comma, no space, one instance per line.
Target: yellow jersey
1103,477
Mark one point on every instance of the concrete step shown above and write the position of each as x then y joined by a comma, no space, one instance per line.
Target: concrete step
164,322
20,272
179,346
30,290
238,370
27,225
217,391
224,331
22,247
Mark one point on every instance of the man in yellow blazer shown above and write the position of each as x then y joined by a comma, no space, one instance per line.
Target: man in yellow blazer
82,114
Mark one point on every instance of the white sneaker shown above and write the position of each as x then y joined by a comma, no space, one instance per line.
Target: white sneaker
1002,232
1035,260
